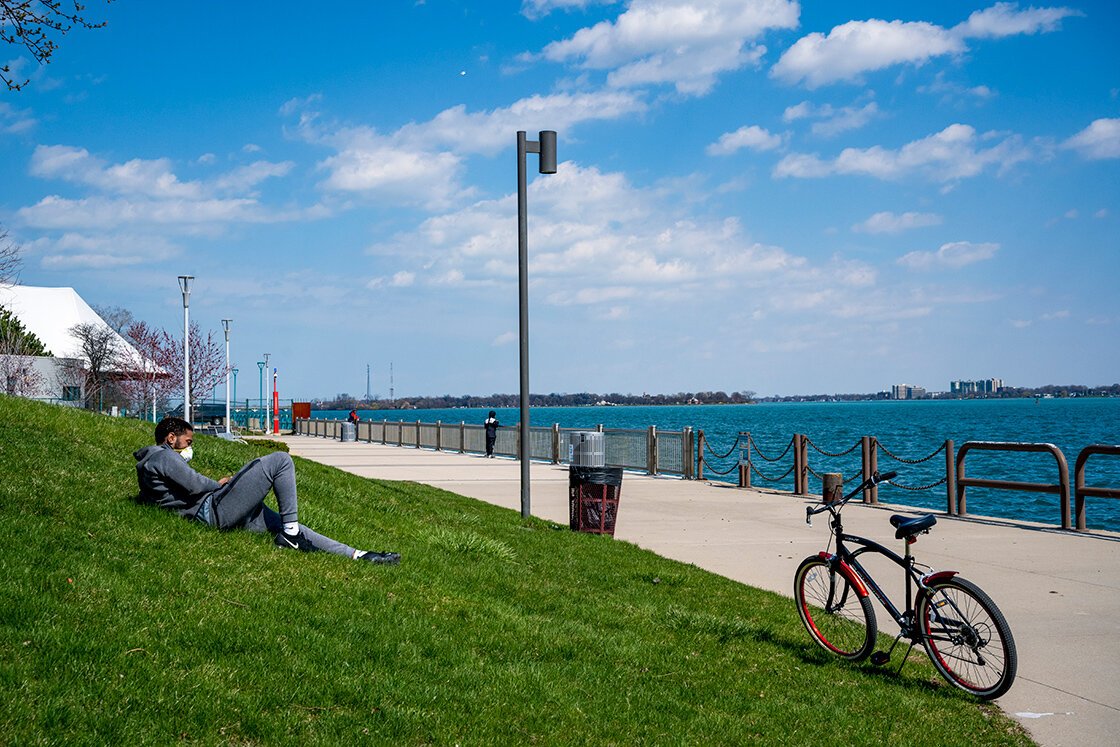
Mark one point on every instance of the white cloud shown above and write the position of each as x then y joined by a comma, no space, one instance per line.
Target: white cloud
403,279
76,250
832,121
953,255
1102,213
539,8
138,176
680,42
14,121
955,153
857,47
54,212
888,222
506,338
1098,141
752,137
1005,19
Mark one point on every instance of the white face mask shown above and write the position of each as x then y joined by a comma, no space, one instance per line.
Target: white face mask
187,453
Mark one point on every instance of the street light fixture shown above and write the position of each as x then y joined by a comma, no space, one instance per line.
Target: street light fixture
226,325
185,287
545,147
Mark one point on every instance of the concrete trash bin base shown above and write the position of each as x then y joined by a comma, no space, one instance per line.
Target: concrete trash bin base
593,495
349,432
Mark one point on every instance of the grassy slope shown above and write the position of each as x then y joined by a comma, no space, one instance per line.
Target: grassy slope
123,624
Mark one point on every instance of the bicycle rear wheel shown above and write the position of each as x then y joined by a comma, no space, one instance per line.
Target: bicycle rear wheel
967,638
836,616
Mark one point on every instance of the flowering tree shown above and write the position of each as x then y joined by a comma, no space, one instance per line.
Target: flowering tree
208,363
149,366
18,346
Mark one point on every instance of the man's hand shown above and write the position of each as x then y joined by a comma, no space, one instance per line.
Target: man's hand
223,480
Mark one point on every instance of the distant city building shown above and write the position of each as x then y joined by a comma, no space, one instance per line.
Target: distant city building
964,388
908,391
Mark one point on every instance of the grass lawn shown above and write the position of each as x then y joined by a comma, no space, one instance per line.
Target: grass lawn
122,624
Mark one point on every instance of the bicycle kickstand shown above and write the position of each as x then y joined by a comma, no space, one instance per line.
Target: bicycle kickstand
880,658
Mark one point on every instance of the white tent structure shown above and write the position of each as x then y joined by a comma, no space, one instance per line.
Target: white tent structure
50,314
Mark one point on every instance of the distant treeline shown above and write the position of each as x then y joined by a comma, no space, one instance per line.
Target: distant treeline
583,399
447,401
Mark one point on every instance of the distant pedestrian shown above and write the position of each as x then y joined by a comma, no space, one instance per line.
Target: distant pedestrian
353,417
492,426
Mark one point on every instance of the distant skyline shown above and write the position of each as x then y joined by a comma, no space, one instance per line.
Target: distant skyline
772,196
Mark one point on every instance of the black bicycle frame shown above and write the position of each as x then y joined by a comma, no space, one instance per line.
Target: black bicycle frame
904,619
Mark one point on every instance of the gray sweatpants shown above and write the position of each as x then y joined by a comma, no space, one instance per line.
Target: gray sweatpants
239,504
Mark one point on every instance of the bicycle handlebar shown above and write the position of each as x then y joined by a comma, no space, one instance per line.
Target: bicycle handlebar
870,482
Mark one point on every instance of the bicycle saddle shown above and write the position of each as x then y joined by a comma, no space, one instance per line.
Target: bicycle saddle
908,526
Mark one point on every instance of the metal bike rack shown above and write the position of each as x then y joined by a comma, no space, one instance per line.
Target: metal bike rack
1061,488
1081,490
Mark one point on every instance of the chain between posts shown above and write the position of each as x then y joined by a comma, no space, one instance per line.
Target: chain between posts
752,442
897,458
728,471
854,446
782,476
917,488
730,451
817,475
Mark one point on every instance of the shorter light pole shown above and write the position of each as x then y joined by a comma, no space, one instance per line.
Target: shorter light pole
226,325
235,387
267,403
185,287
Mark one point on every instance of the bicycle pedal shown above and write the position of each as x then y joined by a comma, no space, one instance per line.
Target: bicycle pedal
879,658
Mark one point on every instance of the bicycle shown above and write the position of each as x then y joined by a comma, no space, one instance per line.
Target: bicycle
961,629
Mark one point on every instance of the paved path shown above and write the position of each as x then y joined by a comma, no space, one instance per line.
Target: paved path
1060,592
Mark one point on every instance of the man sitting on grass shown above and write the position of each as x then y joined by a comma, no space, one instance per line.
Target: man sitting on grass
235,502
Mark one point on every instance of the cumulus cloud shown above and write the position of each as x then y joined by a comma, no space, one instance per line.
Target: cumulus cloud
832,120
752,137
1100,140
539,8
856,47
848,51
74,250
680,42
953,255
955,153
1005,19
888,222
15,121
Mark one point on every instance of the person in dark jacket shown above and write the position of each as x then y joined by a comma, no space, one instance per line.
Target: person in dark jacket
236,502
492,426
353,417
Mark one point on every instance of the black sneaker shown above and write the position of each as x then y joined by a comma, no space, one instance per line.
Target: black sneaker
294,542
381,558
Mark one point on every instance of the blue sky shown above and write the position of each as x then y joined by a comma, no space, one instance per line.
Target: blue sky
776,196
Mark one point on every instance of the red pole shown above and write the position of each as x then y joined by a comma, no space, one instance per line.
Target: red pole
275,405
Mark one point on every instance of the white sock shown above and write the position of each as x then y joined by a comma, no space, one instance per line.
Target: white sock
359,554
291,527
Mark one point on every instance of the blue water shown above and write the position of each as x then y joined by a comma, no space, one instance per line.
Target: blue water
911,430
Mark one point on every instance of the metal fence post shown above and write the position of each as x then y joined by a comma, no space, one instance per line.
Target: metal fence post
950,479
745,461
700,454
439,432
556,443
686,452
462,436
417,434
865,444
874,459
651,450
798,469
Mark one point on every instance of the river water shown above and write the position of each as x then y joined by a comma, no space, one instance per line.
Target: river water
911,430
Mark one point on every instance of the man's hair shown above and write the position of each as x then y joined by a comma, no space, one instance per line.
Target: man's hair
170,425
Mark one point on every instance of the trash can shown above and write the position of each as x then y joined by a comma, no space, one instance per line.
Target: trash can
349,432
593,495
587,449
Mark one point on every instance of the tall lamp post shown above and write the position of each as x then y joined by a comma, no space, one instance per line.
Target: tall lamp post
545,146
260,400
226,325
267,402
185,287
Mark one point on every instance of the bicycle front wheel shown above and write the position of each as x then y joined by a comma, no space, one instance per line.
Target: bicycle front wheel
967,638
836,616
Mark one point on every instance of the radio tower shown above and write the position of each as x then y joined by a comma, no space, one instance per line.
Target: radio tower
391,398
368,395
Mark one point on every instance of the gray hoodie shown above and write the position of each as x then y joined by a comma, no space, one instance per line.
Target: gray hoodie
168,481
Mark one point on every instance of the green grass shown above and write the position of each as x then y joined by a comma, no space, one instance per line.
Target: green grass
122,624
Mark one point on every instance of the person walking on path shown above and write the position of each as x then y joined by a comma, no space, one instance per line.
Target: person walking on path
492,425
235,502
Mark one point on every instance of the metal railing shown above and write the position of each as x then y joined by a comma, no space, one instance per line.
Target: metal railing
1061,488
1081,490
648,450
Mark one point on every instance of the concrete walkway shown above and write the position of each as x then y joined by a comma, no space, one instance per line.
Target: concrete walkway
1060,592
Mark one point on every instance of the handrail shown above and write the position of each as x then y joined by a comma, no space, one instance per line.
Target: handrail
1081,490
1061,488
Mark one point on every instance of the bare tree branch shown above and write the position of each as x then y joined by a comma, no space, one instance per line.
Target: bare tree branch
10,260
34,25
